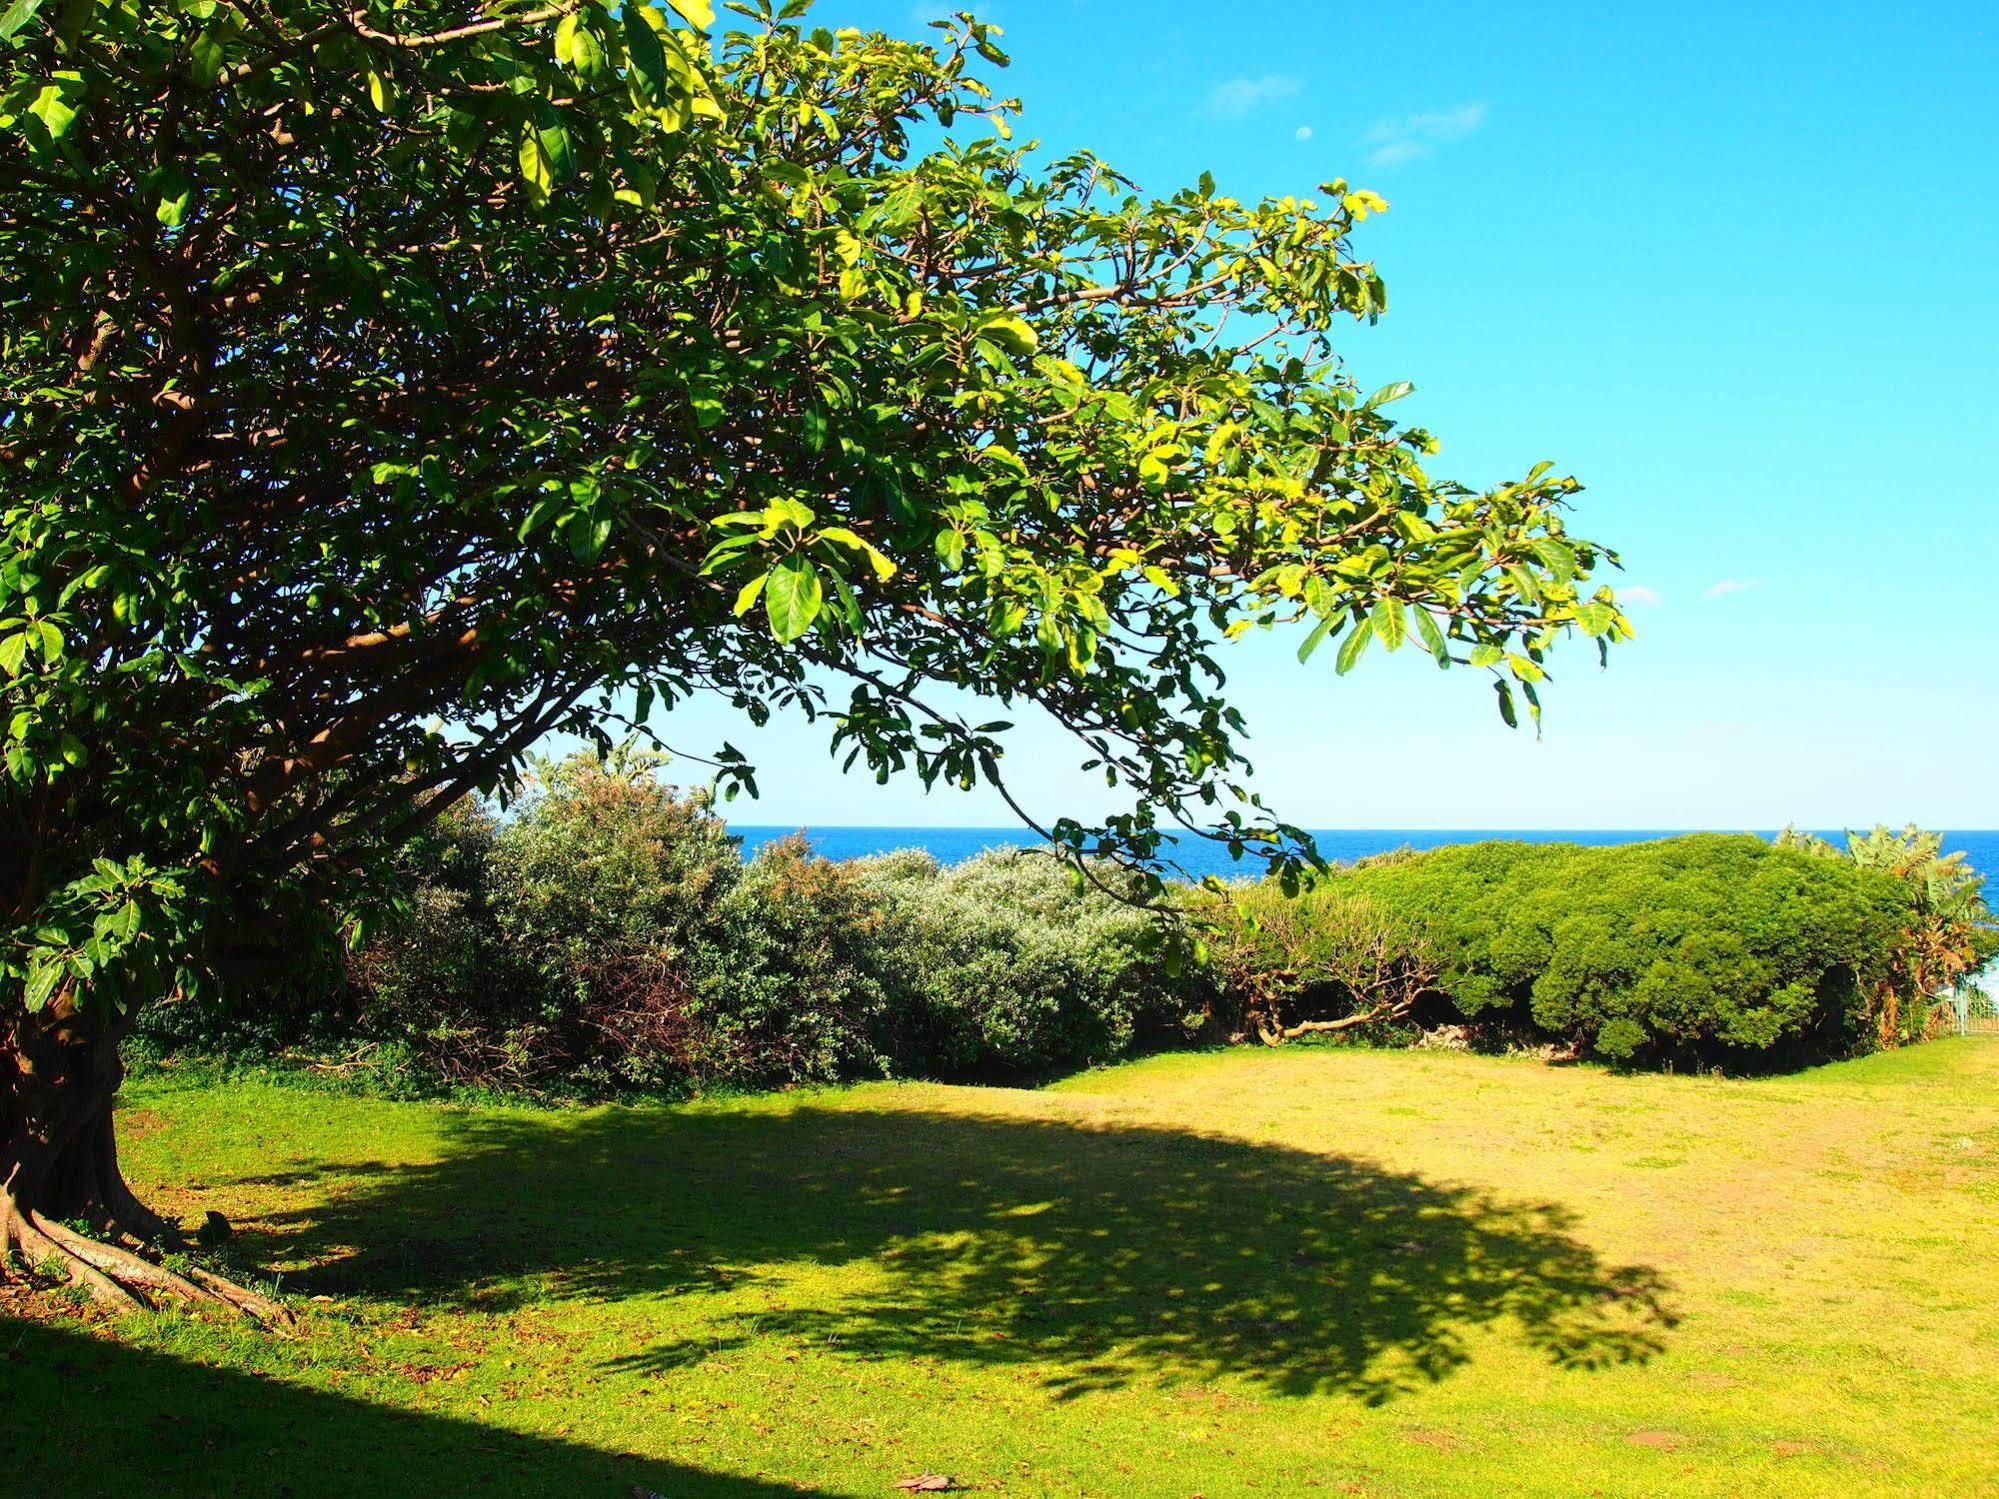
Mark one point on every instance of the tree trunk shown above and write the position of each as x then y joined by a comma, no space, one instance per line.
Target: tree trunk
59,1078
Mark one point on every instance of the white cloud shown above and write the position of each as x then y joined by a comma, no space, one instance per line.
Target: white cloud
1303,132
1412,136
1727,586
1240,96
1396,152
1638,593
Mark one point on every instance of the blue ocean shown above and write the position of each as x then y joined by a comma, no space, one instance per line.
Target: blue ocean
1202,858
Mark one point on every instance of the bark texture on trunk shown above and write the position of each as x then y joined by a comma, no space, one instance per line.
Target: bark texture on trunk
59,1078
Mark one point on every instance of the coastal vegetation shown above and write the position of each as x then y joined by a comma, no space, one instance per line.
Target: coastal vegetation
1945,934
607,938
391,384
1704,950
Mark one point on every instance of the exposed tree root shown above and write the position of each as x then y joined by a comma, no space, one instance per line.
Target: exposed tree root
121,1279
117,1270
24,1237
252,1305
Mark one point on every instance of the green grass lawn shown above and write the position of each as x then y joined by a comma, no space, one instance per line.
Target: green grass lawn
1241,1273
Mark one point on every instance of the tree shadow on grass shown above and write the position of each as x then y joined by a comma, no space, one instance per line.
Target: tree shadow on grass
1103,1256
82,1415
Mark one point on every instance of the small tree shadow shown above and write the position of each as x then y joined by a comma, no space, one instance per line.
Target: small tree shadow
1101,1255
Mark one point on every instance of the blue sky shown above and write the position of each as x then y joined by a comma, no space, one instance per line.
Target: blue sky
1734,267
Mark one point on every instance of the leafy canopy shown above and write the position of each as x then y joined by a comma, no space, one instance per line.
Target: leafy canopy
386,385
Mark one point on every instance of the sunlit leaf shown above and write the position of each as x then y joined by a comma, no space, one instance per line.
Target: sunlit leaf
793,597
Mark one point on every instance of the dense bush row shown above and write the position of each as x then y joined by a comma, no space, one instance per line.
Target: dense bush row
1706,949
608,936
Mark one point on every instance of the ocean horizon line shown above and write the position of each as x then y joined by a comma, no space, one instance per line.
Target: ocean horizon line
1370,827
1200,855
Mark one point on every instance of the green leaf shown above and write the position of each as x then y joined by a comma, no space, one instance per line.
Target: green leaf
546,155
747,598
1389,623
793,597
13,650
1362,203
643,47
555,140
541,512
176,190
1595,618
699,14
708,408
588,58
588,534
850,606
884,569
51,640
1557,557
19,14
786,512
1155,469
1351,648
53,106
1221,442
1506,710
1411,526
209,54
1314,640
41,985
565,37
1011,333
1394,391
1433,636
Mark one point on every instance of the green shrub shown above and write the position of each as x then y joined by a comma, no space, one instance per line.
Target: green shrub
604,861
608,936
1701,950
553,948
788,979
1947,929
1707,948
613,939
1003,965
1331,963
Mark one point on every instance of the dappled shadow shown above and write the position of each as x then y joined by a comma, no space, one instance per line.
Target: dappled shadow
1100,1255
82,1415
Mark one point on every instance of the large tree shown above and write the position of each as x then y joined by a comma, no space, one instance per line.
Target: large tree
385,384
